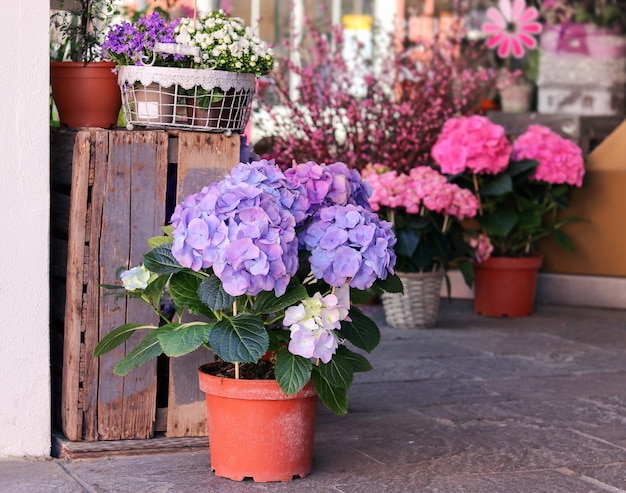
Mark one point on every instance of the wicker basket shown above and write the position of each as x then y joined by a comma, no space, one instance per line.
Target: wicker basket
419,305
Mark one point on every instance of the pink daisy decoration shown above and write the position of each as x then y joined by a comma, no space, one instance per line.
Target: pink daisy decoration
511,27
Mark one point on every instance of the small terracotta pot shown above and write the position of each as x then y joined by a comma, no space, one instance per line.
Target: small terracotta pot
506,286
229,113
152,104
256,430
86,95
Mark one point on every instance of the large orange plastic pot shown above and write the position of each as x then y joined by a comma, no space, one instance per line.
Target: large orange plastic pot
256,430
506,286
86,95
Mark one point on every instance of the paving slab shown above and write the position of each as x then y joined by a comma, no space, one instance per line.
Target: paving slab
36,475
474,405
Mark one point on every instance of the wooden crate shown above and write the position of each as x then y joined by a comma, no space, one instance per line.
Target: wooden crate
107,200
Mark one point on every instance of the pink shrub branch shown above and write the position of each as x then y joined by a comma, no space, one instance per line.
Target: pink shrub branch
392,118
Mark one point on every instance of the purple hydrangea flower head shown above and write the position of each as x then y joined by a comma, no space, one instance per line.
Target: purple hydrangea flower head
333,184
133,43
359,190
243,227
349,243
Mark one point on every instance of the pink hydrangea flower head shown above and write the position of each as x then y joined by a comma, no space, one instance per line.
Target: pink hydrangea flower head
482,247
560,159
512,27
464,203
474,143
387,189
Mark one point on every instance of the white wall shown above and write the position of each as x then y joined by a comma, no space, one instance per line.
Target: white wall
24,210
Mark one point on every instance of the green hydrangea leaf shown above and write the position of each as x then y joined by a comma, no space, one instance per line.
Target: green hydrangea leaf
117,336
361,331
334,398
154,290
146,350
180,339
292,371
358,362
267,302
499,185
392,284
161,261
499,223
242,338
184,291
338,371
211,293
157,241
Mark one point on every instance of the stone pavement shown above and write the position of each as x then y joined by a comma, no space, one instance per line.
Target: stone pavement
480,405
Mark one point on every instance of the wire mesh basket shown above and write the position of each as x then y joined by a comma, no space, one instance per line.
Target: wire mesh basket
185,98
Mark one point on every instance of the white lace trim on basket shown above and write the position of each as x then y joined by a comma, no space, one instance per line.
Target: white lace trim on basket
186,77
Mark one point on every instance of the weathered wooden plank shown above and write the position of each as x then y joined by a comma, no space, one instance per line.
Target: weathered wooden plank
202,159
99,167
133,211
72,419
186,407
114,244
147,216
67,450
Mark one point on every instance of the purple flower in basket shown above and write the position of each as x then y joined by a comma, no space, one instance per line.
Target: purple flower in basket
133,43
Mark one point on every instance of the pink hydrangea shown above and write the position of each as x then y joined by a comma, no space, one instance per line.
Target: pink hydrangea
464,203
473,143
482,247
387,189
423,186
560,159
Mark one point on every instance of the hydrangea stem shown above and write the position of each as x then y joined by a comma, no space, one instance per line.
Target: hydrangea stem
480,205
236,362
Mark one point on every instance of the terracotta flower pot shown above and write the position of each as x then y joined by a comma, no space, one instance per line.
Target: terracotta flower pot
516,98
506,286
229,112
151,104
86,95
256,430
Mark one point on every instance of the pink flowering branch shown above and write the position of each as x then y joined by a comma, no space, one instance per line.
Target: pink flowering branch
392,119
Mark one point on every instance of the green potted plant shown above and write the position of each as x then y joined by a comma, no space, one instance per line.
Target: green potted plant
427,214
521,187
267,263
84,88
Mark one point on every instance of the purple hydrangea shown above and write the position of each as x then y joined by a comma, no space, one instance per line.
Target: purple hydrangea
349,243
133,43
244,228
359,190
333,184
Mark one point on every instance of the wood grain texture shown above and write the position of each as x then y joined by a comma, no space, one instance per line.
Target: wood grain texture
202,159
